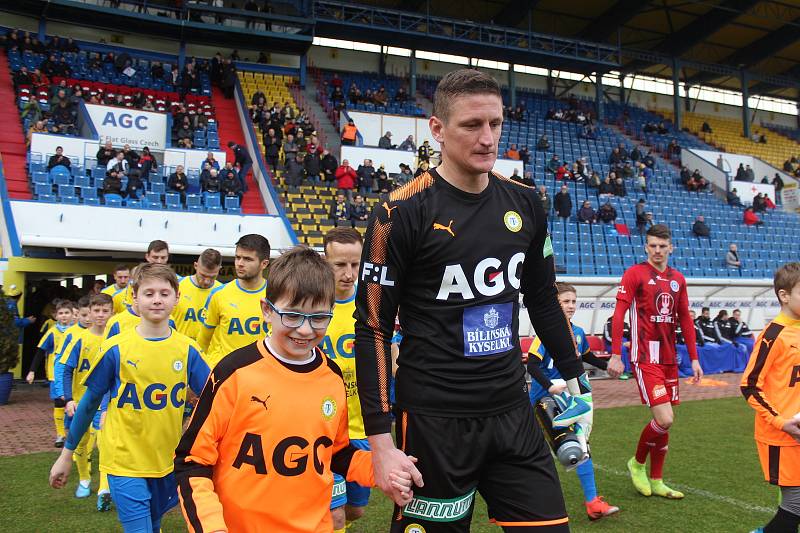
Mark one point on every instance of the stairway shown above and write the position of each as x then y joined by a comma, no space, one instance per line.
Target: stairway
230,129
12,139
331,134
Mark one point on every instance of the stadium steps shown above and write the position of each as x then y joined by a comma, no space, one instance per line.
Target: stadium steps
231,130
332,137
12,138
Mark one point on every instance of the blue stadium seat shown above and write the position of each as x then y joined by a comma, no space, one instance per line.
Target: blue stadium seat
158,187
173,201
113,200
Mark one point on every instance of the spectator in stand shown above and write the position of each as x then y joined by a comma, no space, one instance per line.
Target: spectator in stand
626,172
358,211
607,213
641,179
313,168
673,149
777,182
696,182
135,184
272,150
733,198
178,182
619,188
21,78
563,203
594,180
403,177
751,218
408,145
732,257
337,98
768,203
423,168
229,184
58,159
105,154
512,152
340,211
563,174
425,152
641,216
749,174
383,183
147,163
525,156
290,147
759,206
40,126
705,128
607,187
401,96
119,163
545,199
294,173
346,180
636,155
365,177
112,184
553,164
586,213
542,144
649,160
212,161
385,142
328,164
63,119
184,130
349,133
241,157
131,156
741,175
700,228
211,182
615,159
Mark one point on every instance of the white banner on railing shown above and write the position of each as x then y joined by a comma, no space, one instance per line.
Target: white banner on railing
122,126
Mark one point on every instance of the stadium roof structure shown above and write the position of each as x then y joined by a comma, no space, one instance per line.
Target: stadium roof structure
714,41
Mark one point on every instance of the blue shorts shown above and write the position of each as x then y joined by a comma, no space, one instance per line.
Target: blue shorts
140,497
350,492
95,421
53,395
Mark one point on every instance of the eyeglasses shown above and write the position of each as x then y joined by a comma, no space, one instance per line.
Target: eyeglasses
294,320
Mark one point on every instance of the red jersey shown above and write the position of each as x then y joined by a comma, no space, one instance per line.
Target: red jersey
657,302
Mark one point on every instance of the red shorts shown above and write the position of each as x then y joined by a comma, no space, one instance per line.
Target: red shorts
657,383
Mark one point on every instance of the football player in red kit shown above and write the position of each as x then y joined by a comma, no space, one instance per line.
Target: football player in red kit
656,295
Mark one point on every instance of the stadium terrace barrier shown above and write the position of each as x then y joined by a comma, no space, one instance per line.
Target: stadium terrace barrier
192,158
372,126
260,172
76,148
115,229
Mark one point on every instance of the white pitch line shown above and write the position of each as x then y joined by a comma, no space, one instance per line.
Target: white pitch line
699,492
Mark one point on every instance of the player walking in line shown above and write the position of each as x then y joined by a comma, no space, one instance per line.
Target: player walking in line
453,249
343,252
118,290
657,298
194,291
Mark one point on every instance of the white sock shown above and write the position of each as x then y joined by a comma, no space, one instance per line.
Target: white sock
85,483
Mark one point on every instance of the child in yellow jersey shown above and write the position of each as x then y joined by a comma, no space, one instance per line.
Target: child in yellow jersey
272,425
146,370
194,291
117,291
73,367
126,320
343,252
47,350
770,385
232,315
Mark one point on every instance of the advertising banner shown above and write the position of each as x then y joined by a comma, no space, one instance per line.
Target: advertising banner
122,125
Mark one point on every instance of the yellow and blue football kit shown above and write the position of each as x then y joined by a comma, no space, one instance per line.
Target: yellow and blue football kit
118,295
232,318
190,306
147,381
338,346
124,321
47,347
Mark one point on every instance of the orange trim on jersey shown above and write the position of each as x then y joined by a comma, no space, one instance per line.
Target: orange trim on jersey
403,428
537,523
509,180
415,186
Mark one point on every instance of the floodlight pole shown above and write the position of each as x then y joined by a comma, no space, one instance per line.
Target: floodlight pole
412,74
598,96
676,93
512,85
745,81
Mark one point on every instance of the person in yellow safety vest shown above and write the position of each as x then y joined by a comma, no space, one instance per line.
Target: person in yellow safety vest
349,133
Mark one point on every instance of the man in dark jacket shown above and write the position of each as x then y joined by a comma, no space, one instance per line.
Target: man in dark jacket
707,329
328,164
242,159
607,213
178,182
738,326
229,184
680,339
700,228
58,159
365,177
733,198
563,203
311,164
112,185
211,183
358,209
228,171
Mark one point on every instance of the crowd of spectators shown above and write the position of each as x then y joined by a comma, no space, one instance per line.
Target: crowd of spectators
354,95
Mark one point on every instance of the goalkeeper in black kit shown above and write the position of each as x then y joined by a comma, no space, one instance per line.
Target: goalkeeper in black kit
452,250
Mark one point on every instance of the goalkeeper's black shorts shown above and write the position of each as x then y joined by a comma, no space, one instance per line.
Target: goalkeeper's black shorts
504,458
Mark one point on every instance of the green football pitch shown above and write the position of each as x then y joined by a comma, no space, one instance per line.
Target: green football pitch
712,458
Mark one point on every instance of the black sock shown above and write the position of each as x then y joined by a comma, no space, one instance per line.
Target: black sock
783,522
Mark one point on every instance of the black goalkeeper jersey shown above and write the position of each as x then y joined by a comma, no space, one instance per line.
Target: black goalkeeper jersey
454,264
